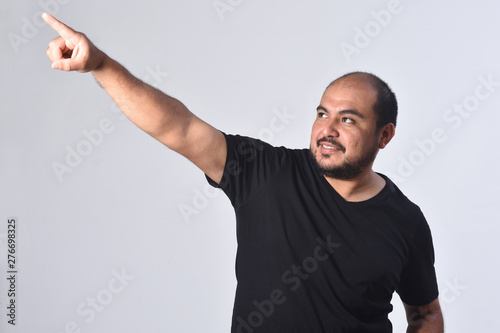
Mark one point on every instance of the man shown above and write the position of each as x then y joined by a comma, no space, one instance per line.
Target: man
323,240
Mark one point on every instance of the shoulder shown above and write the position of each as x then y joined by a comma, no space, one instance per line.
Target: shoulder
402,206
398,196
248,149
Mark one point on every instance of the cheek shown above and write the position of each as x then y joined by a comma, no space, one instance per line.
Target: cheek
354,141
362,142
315,131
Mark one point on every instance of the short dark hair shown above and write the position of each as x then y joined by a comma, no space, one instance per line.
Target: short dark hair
386,106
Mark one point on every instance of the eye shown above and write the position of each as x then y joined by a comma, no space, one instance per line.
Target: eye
322,115
347,120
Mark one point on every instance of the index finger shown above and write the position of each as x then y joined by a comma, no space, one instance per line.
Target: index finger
63,30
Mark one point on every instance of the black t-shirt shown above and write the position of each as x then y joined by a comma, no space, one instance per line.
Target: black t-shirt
310,261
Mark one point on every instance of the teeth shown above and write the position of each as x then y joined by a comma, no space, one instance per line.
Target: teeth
329,147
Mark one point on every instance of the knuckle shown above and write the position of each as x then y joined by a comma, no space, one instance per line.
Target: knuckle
53,43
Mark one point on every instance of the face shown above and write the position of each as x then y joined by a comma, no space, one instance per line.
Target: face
344,139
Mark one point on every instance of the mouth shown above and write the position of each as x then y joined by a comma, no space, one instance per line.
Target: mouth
330,147
328,150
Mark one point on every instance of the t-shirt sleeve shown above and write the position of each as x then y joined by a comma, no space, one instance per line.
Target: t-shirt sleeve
418,285
250,164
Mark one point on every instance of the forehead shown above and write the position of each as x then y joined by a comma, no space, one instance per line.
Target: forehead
353,93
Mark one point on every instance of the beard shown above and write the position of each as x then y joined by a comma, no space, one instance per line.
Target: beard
349,169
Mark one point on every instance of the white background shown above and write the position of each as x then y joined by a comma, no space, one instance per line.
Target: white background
118,210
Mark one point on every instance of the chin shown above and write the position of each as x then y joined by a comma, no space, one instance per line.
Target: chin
326,162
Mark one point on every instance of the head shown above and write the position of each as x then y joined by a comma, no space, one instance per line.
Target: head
356,117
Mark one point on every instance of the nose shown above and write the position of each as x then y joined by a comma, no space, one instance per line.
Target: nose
330,129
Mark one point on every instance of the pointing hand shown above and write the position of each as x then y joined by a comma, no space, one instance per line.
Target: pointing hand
72,50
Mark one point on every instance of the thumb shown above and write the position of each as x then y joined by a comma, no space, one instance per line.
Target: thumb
64,65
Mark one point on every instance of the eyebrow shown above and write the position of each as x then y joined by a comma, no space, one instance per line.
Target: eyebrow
353,112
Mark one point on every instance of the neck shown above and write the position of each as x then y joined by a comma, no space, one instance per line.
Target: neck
365,186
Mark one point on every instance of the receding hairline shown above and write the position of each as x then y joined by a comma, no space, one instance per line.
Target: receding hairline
365,77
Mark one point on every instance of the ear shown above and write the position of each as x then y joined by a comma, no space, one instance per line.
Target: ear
386,134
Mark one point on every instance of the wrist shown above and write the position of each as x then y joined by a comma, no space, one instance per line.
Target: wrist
102,61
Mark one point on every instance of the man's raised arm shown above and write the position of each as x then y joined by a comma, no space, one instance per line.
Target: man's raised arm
163,117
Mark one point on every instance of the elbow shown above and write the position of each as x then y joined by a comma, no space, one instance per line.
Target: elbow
427,318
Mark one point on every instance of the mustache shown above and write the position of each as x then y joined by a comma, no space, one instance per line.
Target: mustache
332,142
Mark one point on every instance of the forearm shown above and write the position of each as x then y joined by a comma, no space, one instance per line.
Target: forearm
428,323
161,116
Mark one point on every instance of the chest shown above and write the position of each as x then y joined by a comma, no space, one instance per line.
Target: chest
359,251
